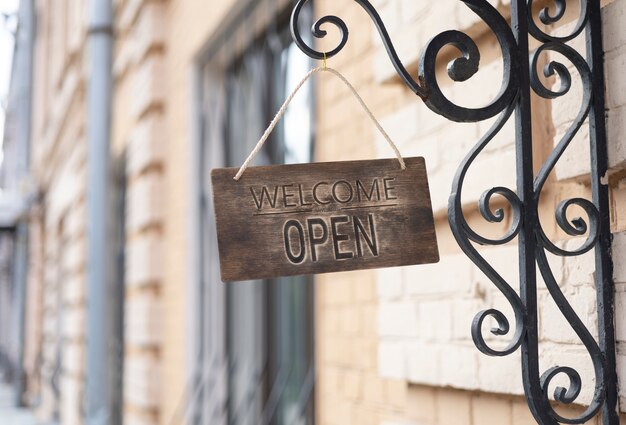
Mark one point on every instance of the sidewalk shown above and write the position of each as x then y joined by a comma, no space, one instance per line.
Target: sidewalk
11,415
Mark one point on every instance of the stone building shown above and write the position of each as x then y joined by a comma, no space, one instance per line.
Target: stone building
193,86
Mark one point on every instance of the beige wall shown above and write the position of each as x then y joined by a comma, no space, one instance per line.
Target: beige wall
349,387
157,45
423,314
57,273
139,134
392,346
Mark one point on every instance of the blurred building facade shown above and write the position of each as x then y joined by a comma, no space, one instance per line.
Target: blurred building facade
194,85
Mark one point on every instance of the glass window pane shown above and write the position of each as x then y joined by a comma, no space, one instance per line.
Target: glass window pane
266,348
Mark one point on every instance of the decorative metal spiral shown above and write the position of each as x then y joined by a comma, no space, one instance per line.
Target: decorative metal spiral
562,395
319,33
460,69
569,395
547,19
463,68
510,99
465,235
577,226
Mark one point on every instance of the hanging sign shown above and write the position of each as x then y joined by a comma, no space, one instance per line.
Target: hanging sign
319,218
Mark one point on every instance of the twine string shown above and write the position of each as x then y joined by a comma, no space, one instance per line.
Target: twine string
283,110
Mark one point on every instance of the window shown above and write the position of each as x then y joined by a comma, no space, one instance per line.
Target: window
255,353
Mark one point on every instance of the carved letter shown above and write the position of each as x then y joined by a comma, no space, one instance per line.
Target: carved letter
296,225
287,196
315,193
359,230
302,201
334,221
265,194
314,240
350,196
388,189
360,188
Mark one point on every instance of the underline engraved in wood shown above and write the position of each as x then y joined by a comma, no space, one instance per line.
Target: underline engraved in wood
291,220
369,206
283,213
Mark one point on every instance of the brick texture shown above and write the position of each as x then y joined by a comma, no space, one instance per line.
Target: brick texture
425,312
393,346
141,71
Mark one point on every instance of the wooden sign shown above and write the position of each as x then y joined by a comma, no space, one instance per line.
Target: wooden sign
327,217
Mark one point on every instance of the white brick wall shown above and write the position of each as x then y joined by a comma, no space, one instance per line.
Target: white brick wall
426,362
436,349
614,18
412,24
75,255
148,32
575,162
143,320
452,275
436,296
619,265
621,372
391,284
70,407
74,290
142,382
73,322
420,132
142,63
75,222
416,129
76,26
131,418
423,363
145,203
411,10
620,305
500,374
144,260
398,319
392,359
149,85
73,358
146,145
554,327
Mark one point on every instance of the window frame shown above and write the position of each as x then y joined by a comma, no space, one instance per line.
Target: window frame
211,60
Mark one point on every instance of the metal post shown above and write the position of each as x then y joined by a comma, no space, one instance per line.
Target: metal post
604,263
525,191
20,278
100,42
23,98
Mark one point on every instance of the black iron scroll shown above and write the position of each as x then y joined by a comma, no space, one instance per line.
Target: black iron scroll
520,78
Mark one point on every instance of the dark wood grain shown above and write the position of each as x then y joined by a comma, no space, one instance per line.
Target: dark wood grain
319,218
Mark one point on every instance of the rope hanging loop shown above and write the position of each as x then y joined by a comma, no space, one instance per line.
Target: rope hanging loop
283,110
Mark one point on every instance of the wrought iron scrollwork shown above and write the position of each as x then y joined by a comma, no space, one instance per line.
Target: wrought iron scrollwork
521,75
465,235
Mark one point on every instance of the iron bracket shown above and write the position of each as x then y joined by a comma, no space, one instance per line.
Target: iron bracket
520,79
